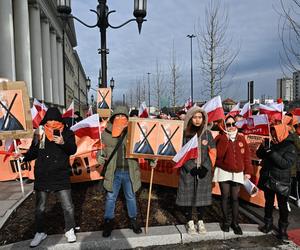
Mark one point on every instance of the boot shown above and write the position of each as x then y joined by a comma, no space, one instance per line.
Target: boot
236,228
268,225
224,226
135,226
282,230
108,227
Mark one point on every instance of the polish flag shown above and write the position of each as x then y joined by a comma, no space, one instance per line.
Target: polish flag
36,117
188,104
274,111
246,110
296,112
188,151
143,112
256,124
87,127
10,147
235,110
90,111
70,111
41,107
214,109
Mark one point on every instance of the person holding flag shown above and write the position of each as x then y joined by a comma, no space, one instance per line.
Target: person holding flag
119,170
51,147
232,167
194,188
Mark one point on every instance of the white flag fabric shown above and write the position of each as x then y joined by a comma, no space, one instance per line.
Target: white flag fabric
214,109
88,127
143,112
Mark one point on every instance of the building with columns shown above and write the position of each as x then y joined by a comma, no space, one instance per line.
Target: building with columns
37,46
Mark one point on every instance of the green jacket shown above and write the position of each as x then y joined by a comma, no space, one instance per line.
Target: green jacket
110,143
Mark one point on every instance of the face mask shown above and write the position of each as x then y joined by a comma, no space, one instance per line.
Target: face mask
119,124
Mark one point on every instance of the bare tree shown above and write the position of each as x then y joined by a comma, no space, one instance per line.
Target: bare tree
175,75
214,49
289,33
130,97
157,87
138,93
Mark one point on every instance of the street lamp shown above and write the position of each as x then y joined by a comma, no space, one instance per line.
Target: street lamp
112,85
102,12
88,83
149,90
192,87
92,99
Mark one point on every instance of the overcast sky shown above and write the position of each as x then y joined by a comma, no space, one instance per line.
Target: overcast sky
253,27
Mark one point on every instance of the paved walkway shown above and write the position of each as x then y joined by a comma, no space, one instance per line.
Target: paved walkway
11,197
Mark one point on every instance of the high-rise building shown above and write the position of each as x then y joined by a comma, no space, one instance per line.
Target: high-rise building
285,89
296,82
36,46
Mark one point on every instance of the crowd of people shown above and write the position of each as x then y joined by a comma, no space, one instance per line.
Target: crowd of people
224,159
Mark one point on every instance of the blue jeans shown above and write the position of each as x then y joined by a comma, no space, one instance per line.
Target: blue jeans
121,178
66,203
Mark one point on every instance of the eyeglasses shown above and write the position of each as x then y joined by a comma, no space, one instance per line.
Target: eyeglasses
230,124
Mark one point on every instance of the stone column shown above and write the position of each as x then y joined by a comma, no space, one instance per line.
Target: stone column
7,61
22,43
46,51
54,66
60,71
36,52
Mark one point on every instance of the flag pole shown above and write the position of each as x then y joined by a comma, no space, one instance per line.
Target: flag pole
19,167
149,200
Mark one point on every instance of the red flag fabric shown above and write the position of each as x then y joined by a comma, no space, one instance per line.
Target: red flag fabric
188,104
256,124
214,109
87,127
274,111
143,112
246,110
41,107
70,111
36,117
235,110
188,151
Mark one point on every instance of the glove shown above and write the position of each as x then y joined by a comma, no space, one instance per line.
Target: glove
153,163
202,172
194,171
100,158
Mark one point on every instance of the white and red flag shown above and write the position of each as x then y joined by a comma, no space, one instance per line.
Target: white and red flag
41,107
90,111
235,110
296,112
214,109
70,111
10,147
246,110
143,112
187,152
256,124
36,117
274,111
88,127
188,104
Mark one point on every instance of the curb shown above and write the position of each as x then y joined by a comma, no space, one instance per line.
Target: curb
13,208
126,239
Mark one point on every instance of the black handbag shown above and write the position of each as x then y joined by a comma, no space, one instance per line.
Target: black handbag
280,187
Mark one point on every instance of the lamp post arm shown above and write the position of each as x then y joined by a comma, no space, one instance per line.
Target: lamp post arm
123,24
87,25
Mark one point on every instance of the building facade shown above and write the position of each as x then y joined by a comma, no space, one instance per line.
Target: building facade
296,81
37,47
285,89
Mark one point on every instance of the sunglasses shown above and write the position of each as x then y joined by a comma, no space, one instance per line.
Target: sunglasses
230,124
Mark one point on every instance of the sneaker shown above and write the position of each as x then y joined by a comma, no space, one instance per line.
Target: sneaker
201,227
71,237
38,238
298,203
191,227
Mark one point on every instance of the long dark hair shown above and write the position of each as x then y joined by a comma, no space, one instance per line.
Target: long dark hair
191,129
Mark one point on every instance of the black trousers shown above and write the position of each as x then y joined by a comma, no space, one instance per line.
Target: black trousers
66,203
189,213
282,204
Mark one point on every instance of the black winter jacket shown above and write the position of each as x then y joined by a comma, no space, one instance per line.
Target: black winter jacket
52,166
278,162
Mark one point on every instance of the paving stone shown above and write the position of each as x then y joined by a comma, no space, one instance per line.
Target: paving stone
5,205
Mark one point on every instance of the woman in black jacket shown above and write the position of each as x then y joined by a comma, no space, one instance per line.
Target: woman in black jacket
276,167
51,147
